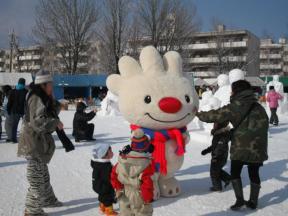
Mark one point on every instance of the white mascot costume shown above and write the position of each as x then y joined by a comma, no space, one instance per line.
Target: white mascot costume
159,99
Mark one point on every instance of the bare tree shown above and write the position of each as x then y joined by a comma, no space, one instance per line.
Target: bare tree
66,25
168,24
114,32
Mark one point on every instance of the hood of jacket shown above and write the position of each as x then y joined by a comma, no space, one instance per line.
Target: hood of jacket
246,97
134,163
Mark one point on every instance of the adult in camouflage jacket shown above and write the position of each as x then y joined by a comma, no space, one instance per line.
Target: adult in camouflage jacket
248,141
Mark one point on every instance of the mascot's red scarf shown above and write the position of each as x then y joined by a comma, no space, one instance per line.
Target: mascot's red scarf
158,138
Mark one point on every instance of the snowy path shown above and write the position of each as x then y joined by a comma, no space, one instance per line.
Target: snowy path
71,176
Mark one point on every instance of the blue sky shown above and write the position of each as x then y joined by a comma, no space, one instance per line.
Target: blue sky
255,15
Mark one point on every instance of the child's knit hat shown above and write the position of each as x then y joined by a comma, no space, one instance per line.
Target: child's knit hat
140,142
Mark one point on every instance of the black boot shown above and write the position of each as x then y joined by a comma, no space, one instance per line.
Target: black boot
254,194
216,185
238,190
226,178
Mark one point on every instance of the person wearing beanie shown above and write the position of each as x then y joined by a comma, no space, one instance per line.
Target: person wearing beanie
249,139
81,129
132,177
37,145
219,151
102,167
15,109
273,98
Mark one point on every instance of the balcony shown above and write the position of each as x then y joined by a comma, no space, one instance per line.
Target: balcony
211,60
29,57
285,59
32,67
271,66
271,46
204,74
270,56
236,44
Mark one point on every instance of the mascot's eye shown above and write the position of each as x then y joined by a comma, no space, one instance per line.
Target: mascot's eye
147,99
187,98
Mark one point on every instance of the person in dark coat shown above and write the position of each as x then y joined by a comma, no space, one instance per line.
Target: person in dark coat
81,129
16,107
102,168
219,151
249,140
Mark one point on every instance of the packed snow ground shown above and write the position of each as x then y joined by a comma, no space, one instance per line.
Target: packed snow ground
71,175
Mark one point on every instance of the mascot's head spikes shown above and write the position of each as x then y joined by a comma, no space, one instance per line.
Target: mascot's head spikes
154,92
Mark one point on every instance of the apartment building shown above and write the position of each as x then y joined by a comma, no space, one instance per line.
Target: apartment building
33,58
216,52
2,60
274,57
208,54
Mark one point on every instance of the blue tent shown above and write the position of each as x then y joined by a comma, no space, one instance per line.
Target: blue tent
78,85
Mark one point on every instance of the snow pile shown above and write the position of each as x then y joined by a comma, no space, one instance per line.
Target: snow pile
109,105
12,78
236,75
207,103
224,91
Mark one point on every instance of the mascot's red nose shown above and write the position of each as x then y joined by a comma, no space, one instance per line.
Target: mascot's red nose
170,105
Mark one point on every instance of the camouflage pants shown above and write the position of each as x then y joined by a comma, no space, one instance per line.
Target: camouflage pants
40,192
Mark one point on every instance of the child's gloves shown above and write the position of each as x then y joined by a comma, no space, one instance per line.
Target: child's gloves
206,151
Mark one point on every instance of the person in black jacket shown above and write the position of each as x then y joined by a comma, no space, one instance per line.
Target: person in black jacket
81,129
16,107
219,151
102,168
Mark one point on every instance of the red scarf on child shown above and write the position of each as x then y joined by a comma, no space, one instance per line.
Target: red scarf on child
158,139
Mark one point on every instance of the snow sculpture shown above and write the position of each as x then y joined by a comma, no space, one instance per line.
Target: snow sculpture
159,99
236,75
207,103
109,105
283,105
224,91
